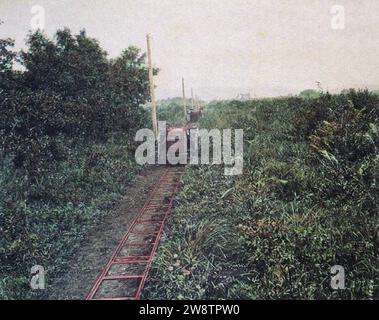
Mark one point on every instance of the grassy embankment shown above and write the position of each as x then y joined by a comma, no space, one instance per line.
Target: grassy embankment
53,220
308,199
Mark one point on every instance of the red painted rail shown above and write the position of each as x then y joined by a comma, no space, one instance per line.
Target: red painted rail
125,274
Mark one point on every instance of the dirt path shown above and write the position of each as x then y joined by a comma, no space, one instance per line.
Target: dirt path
91,258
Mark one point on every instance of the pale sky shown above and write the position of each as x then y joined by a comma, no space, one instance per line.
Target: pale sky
225,47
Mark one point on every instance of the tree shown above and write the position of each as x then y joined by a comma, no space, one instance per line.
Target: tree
7,58
72,66
68,89
129,76
129,86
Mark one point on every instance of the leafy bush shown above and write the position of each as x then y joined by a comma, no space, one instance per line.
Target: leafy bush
66,148
69,88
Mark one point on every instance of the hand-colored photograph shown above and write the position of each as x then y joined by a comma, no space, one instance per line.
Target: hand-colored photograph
189,150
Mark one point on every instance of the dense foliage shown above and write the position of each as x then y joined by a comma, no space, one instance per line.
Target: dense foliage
308,200
172,111
70,89
68,116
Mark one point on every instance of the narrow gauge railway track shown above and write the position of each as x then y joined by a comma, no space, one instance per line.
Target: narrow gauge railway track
125,274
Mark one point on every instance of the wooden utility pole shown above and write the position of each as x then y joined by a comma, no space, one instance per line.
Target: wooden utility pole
184,99
152,87
192,102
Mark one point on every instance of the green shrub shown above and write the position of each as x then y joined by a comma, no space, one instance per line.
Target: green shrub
66,147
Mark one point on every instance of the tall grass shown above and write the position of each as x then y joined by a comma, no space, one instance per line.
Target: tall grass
46,224
308,200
